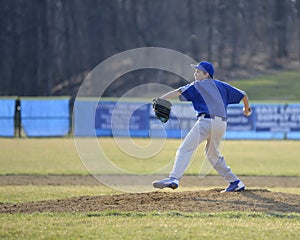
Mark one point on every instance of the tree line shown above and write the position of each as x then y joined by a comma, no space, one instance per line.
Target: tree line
48,46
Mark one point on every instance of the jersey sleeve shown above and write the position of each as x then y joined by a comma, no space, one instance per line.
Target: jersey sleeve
185,93
235,95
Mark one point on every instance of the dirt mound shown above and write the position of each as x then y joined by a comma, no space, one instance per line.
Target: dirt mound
195,201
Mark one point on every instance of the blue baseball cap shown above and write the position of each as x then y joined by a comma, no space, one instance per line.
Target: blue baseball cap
206,67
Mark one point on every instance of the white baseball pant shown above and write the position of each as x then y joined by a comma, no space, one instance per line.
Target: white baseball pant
212,130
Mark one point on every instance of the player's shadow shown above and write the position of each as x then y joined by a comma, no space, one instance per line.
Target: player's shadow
270,204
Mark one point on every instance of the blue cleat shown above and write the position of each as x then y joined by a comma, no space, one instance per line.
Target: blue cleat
236,186
167,182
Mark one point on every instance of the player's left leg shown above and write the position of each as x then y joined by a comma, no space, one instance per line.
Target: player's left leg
184,153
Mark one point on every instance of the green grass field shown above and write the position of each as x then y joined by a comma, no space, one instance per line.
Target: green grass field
59,156
172,225
278,87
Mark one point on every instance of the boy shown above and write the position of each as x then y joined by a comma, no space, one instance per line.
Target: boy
210,98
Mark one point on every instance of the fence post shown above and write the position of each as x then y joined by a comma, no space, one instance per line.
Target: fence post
18,124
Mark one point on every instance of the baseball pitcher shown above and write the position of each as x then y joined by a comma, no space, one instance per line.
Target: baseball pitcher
210,98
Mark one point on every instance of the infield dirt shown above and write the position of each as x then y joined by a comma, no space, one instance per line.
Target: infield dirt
256,198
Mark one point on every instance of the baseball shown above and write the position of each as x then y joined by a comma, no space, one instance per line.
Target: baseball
248,113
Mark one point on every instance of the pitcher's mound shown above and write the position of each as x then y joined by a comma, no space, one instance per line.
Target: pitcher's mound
260,200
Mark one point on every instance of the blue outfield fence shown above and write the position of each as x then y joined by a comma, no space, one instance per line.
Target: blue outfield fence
110,118
136,119
45,117
51,117
7,115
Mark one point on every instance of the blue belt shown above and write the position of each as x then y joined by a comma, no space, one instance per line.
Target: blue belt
212,117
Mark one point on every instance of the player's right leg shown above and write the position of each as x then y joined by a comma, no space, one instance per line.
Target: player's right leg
183,156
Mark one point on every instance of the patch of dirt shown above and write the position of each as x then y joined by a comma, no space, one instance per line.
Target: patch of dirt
194,201
255,198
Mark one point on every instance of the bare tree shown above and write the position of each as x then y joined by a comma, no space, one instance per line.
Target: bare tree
47,46
280,21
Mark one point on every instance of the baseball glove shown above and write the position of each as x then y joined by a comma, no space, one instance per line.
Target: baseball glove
162,109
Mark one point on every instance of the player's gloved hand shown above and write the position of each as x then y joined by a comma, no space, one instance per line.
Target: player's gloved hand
162,109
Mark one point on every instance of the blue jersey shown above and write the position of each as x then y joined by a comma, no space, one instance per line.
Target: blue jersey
211,96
